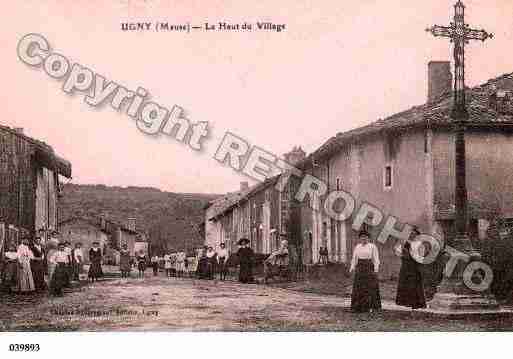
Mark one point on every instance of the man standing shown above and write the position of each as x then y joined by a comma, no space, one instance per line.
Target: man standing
37,264
155,265
69,267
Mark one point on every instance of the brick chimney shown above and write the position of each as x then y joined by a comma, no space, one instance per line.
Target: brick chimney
244,186
295,156
439,79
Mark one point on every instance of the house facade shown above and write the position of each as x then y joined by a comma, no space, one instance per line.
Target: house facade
29,186
402,165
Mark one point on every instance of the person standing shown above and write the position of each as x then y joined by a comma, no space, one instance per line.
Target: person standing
25,279
246,259
60,259
10,270
365,263
69,266
211,262
410,288
222,258
141,263
77,257
180,265
95,257
124,262
155,265
37,264
202,269
167,264
323,255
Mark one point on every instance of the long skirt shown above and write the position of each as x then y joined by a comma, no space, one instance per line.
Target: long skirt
95,270
246,272
38,273
222,268
59,278
25,279
124,264
10,275
202,270
410,290
141,266
365,295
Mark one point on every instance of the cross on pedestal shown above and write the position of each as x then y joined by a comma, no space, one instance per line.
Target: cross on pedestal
453,295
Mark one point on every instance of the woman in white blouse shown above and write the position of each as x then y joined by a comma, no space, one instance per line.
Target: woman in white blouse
365,263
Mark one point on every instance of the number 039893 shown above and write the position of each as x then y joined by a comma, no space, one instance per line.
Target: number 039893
24,347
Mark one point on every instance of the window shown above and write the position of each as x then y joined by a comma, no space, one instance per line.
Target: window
388,175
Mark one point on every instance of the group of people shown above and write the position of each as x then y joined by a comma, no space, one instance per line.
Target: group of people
211,262
26,265
365,263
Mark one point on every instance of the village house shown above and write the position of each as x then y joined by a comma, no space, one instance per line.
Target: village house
110,234
260,213
402,165
29,186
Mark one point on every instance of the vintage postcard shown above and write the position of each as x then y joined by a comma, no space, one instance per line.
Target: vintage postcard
256,166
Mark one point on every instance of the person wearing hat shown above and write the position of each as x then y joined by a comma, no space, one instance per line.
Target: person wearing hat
410,288
246,259
202,270
60,260
222,258
95,257
37,264
365,265
125,266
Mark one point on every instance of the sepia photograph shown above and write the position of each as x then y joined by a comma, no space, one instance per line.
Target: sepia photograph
290,167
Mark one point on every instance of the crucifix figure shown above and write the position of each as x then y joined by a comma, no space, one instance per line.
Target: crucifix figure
460,34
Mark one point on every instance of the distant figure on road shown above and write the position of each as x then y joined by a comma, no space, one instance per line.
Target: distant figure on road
124,262
180,264
155,265
168,265
141,263
365,263
410,288
222,258
323,255
246,259
95,256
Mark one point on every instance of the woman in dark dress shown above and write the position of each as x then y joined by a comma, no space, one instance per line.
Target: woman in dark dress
365,263
202,270
141,264
60,259
246,259
410,289
95,257
37,264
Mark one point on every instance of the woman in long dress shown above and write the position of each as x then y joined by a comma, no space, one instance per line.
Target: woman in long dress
410,288
222,258
25,279
365,263
246,259
141,264
124,262
10,272
202,270
60,260
37,264
95,257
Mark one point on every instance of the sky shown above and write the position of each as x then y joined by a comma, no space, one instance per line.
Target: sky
338,65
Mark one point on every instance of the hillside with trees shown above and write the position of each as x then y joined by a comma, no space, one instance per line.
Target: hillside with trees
172,220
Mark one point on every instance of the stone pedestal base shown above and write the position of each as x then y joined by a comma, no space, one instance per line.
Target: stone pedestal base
453,296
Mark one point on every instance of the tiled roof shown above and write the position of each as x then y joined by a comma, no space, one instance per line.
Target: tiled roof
230,200
436,113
